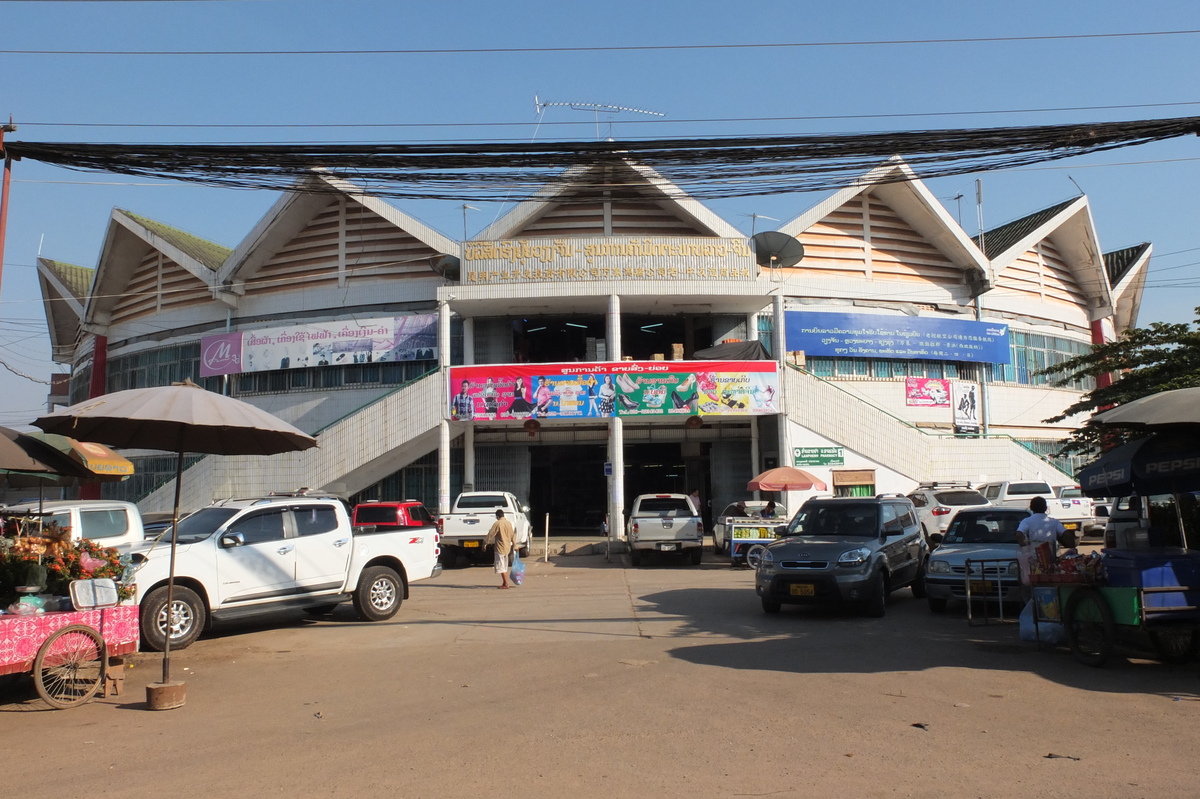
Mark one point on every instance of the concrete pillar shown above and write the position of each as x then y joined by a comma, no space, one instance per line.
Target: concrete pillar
752,326
616,455
469,341
469,457
614,327
785,450
443,467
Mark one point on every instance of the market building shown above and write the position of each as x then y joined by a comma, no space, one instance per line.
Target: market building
566,353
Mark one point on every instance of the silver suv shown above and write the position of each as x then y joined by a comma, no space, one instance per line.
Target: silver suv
845,550
938,503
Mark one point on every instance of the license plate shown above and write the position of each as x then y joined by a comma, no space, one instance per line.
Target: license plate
981,586
1071,526
470,543
666,547
802,589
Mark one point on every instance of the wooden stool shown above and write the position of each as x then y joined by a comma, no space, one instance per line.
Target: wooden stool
114,676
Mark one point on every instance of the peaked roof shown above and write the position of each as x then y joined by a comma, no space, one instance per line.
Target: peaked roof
1001,239
1118,262
64,295
643,183
203,251
1127,270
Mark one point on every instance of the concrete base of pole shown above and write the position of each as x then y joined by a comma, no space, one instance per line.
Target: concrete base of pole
166,695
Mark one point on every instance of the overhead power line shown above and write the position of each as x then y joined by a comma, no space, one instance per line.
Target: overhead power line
703,168
617,48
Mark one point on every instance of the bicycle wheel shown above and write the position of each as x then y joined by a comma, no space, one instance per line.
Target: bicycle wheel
70,666
754,555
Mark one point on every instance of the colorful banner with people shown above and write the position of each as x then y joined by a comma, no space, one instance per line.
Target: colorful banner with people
625,388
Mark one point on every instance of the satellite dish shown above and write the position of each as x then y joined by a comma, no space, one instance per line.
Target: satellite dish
774,249
445,265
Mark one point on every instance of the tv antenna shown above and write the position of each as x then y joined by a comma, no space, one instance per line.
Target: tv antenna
597,109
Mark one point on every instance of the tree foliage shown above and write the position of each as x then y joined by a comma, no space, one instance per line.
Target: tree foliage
1143,361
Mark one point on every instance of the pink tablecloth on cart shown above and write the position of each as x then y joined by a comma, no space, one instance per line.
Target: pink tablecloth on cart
22,636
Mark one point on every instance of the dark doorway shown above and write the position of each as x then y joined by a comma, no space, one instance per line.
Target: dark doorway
568,482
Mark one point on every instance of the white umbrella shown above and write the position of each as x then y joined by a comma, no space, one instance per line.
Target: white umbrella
1180,406
178,418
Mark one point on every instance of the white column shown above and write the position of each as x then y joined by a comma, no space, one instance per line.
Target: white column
614,327
755,455
469,341
785,450
469,457
752,326
616,454
443,467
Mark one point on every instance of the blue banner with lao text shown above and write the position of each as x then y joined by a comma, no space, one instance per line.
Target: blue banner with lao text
860,335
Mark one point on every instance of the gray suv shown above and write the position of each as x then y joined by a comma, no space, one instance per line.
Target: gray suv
845,550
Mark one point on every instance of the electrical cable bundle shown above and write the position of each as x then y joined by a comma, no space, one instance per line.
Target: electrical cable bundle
703,168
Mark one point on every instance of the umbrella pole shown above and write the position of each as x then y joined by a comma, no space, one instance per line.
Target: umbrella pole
166,675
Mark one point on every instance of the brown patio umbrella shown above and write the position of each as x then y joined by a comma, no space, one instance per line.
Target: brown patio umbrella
785,478
179,418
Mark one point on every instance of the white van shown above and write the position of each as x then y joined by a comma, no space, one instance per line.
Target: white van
108,522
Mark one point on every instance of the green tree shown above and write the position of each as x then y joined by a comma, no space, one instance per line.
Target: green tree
1143,361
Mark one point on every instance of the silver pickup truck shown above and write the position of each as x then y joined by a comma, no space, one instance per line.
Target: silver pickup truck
664,523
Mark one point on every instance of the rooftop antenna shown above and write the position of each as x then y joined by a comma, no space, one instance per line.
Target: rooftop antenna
466,208
1081,191
754,220
596,109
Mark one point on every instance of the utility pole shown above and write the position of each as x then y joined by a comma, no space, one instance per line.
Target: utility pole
4,183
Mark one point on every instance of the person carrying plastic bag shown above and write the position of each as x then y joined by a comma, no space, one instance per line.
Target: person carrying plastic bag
500,538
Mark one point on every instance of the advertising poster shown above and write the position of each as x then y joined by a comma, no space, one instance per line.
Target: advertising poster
863,335
627,388
966,407
378,340
926,392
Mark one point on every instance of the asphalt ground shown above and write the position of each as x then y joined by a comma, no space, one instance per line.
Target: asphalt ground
594,679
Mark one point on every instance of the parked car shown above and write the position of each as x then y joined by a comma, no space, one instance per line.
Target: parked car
664,523
1072,498
464,529
1017,493
938,503
107,522
389,516
844,550
976,534
750,512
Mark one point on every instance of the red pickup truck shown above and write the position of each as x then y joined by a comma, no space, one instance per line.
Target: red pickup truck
391,515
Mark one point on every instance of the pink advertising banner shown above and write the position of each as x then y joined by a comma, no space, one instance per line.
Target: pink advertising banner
927,392
625,388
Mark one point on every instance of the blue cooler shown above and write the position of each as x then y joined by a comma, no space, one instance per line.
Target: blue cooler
1155,568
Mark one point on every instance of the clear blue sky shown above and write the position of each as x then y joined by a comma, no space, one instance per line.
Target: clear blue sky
1137,194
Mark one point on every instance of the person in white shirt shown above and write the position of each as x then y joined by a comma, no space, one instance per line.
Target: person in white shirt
1038,527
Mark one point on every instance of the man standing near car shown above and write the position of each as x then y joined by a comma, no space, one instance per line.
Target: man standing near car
1038,528
500,537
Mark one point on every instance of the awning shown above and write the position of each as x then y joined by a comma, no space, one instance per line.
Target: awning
1160,464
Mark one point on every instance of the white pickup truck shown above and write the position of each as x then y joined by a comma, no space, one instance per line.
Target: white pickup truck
664,523
107,522
465,527
245,557
1017,493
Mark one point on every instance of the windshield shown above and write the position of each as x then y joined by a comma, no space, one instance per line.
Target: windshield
481,501
849,520
962,497
665,508
201,524
1029,488
984,528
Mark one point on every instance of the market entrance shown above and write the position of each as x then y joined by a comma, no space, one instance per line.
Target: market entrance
568,482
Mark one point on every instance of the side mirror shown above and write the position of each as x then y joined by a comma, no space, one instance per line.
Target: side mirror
232,540
935,540
781,530
893,528
524,509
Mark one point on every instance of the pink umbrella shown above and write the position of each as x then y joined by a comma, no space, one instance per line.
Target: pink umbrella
785,478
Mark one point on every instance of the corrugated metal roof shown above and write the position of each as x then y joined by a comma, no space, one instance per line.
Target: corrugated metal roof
1118,262
77,279
1000,239
205,252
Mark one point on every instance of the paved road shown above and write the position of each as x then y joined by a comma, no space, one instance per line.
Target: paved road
596,680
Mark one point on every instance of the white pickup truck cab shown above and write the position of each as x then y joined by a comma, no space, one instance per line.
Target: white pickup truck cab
108,522
1017,493
246,557
664,523
464,529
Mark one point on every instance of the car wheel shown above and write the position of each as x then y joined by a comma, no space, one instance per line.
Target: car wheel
379,594
187,618
524,551
635,558
770,607
937,605
918,583
877,604
697,555
1174,646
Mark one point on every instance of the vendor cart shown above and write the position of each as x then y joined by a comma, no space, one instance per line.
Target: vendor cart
1095,617
68,652
747,539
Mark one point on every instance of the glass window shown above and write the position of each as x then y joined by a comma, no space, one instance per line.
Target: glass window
104,523
314,519
259,527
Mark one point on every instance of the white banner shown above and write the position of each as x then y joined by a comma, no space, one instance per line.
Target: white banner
965,399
